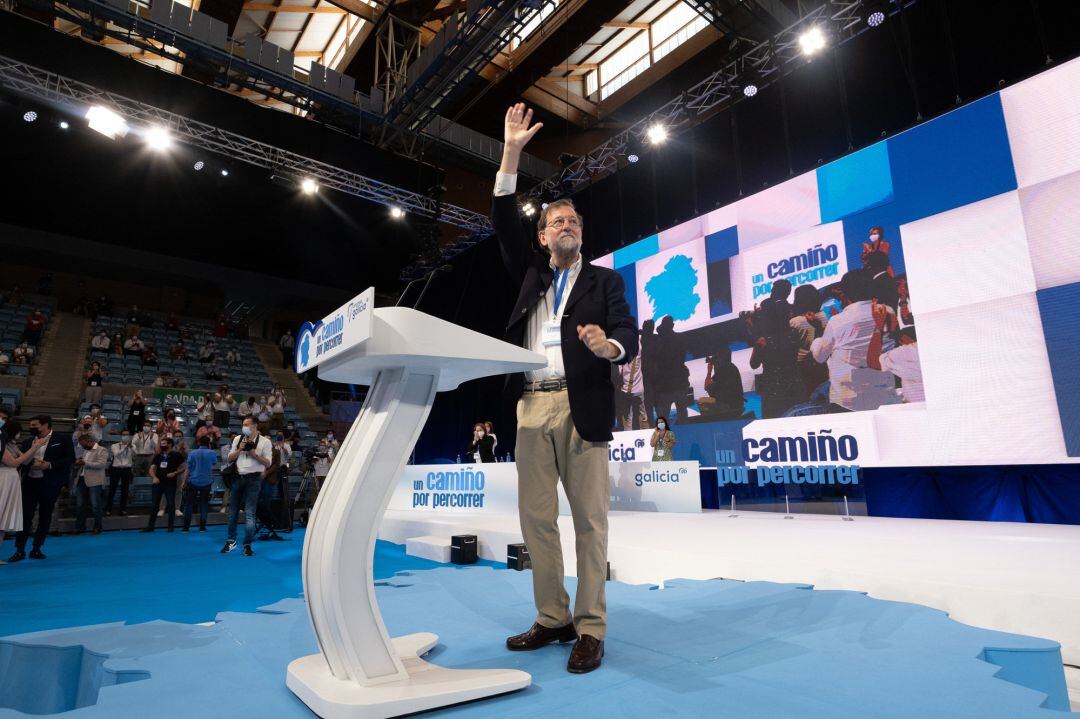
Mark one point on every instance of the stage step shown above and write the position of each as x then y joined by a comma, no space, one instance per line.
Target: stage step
437,549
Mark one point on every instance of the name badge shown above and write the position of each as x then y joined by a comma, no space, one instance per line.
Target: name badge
165,465
551,334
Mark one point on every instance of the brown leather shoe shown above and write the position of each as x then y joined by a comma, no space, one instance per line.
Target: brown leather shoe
586,655
540,636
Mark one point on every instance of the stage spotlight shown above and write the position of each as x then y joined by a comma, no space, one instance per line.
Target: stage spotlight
224,173
309,186
396,212
811,41
107,122
64,125
656,133
529,209
29,116
158,138
199,165
632,157
749,90
875,18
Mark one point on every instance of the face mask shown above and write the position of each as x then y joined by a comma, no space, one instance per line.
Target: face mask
330,435
661,425
126,439
146,430
246,431
95,412
290,428
875,237
262,400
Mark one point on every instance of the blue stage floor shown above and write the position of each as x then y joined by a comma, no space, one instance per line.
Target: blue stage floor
108,624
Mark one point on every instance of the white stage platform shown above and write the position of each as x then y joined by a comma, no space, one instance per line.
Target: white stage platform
1022,578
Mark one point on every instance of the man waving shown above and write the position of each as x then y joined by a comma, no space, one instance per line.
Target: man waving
575,314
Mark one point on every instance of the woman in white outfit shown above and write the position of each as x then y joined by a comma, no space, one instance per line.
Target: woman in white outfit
11,509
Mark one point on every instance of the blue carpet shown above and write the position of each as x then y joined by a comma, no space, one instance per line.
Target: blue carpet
717,648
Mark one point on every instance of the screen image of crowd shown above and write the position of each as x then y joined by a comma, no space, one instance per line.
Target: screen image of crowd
846,346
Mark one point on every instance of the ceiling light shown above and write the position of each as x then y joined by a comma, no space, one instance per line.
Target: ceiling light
632,158
396,212
309,186
875,18
656,133
199,164
529,209
811,41
64,125
107,122
750,90
29,116
224,172
158,138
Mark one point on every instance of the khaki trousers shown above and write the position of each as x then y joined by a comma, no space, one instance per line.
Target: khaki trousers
549,449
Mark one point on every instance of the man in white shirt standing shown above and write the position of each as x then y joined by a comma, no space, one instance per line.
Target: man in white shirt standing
853,386
252,453
146,444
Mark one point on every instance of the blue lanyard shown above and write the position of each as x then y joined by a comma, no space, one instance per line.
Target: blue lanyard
560,285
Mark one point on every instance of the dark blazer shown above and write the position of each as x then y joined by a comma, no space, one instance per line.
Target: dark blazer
598,298
60,452
486,448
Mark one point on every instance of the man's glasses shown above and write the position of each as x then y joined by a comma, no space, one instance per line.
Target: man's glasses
559,222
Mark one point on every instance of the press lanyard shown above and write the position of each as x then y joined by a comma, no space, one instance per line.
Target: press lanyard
560,285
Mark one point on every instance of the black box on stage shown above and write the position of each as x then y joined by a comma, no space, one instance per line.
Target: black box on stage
517,557
463,549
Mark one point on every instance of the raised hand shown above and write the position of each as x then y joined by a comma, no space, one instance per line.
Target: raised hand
517,131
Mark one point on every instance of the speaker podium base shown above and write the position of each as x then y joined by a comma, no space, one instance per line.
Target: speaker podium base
428,686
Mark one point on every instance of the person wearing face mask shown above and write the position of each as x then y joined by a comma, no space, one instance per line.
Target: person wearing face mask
91,480
165,470
662,440
146,444
331,442
324,457
276,400
48,472
482,446
169,425
292,436
95,378
263,414
196,485
11,503
252,453
23,354
136,412
205,410
247,408
223,404
133,346
576,315
122,461
272,490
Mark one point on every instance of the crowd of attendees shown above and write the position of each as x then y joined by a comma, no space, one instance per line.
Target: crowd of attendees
22,329
848,347
190,449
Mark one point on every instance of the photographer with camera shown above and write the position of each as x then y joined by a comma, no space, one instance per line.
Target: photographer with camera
252,453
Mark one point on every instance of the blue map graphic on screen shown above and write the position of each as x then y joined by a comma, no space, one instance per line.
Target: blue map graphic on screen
305,346
671,292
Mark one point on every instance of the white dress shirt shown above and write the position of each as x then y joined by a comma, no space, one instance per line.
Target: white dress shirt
843,347
545,309
249,465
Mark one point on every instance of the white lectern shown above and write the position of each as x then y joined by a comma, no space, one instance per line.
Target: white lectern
360,671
